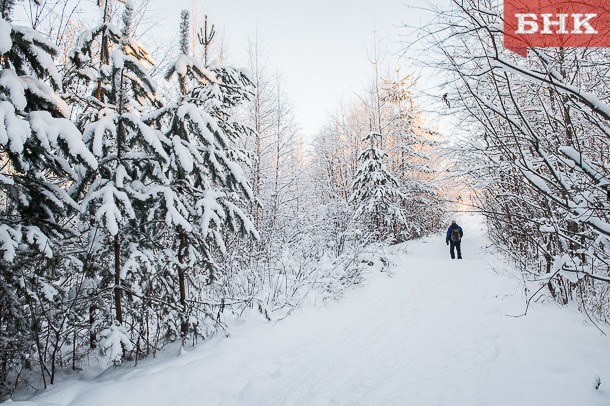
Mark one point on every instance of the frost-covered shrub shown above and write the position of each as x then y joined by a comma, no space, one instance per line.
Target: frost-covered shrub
114,341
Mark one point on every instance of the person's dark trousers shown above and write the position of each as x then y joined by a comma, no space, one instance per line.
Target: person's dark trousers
455,245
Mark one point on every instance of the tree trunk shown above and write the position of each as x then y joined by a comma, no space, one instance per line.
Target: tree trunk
92,335
182,281
117,279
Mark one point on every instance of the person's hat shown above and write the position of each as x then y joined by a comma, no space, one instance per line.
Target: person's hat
453,222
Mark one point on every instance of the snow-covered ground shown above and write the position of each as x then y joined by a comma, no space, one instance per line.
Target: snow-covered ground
433,331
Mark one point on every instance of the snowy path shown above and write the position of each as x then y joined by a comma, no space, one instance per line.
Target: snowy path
434,333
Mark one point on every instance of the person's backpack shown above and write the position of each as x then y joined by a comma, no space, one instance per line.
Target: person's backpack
455,234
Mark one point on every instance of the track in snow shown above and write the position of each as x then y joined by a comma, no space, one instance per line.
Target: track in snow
433,332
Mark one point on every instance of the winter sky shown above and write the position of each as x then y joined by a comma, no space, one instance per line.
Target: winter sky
319,47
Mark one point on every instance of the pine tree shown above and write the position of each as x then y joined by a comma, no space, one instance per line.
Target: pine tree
376,193
205,177
411,149
132,157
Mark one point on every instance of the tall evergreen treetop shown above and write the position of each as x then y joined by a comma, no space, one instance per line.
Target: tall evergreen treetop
376,193
203,132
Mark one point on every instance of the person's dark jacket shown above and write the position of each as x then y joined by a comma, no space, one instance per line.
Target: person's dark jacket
451,227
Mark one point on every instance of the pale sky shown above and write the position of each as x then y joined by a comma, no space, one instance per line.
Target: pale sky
319,47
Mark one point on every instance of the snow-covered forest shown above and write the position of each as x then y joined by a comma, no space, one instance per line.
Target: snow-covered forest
533,144
153,194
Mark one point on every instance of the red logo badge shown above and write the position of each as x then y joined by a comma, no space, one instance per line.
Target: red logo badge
548,23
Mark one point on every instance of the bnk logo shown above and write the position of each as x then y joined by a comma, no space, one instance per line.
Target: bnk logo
548,23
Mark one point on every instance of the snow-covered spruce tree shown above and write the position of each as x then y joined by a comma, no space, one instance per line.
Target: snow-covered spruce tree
131,174
39,148
410,147
376,194
206,178
408,143
388,108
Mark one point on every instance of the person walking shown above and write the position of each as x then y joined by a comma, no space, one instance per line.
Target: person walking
454,238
